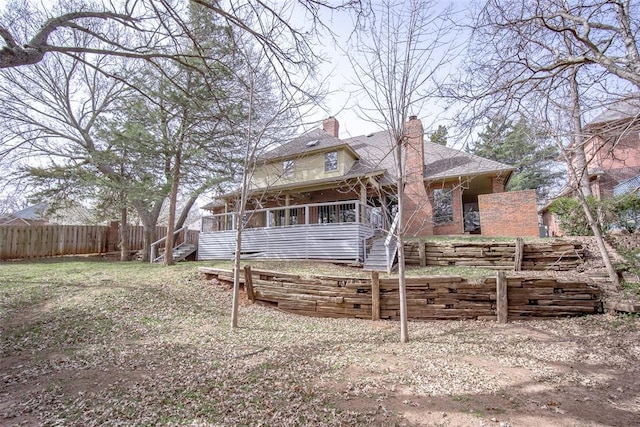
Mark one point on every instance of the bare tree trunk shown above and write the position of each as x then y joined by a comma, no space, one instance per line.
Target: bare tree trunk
148,237
580,175
236,273
124,235
185,211
149,222
577,137
613,274
402,286
173,199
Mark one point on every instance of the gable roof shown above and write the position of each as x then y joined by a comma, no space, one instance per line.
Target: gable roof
445,162
625,108
314,140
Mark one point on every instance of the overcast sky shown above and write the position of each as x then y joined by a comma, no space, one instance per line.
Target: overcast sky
337,77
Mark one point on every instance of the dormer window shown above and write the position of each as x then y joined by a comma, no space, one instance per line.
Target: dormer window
288,168
331,161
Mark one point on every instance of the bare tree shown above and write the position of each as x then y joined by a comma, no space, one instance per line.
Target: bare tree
396,59
272,111
551,59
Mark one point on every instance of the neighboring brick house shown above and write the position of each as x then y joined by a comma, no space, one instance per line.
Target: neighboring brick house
320,179
612,148
32,215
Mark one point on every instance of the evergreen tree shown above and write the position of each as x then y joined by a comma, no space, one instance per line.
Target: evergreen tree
519,145
439,136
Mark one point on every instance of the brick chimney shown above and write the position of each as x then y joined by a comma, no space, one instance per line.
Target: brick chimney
417,215
414,150
331,126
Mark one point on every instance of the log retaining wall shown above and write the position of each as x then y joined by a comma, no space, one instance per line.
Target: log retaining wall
557,255
428,298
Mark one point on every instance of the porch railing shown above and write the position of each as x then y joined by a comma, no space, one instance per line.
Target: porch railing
350,211
182,236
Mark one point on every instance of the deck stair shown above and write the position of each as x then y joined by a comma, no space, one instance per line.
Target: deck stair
180,253
377,257
184,246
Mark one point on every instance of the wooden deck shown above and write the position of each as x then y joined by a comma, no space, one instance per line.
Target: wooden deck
325,231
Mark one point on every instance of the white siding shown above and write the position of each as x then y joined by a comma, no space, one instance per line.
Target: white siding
342,241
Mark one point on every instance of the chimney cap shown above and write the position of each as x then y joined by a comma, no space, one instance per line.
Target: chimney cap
413,117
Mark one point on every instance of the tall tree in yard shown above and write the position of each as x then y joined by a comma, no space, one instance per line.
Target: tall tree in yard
395,62
531,57
531,152
270,113
439,136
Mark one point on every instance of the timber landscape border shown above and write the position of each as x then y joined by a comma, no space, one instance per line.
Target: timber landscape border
428,298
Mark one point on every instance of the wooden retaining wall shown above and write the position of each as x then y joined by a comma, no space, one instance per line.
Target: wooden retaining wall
558,255
428,298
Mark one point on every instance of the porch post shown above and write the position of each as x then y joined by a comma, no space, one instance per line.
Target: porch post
287,215
306,214
358,219
268,214
363,202
226,216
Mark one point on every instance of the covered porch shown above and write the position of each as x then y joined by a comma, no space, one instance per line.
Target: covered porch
329,231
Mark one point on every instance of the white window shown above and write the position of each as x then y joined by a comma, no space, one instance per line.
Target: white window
331,161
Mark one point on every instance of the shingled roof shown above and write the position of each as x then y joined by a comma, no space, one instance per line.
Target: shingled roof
445,162
375,155
313,140
625,108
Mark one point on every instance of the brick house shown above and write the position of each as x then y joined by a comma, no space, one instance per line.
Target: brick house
319,196
612,148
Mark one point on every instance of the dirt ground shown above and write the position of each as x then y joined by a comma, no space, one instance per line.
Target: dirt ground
579,386
108,344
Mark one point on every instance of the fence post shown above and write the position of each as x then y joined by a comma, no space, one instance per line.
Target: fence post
422,250
517,259
248,283
375,295
502,303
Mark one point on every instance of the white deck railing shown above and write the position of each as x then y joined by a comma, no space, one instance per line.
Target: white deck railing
332,231
350,211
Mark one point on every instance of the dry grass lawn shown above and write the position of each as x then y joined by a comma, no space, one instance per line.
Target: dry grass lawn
104,343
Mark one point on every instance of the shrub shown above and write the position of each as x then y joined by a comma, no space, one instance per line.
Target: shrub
621,212
627,210
573,220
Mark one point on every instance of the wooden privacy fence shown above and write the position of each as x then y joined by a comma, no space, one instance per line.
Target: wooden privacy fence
38,241
428,298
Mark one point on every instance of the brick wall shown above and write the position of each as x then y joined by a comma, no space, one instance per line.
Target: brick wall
512,214
416,216
456,226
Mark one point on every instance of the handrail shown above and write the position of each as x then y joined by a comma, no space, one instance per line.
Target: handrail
392,229
302,208
154,245
388,240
